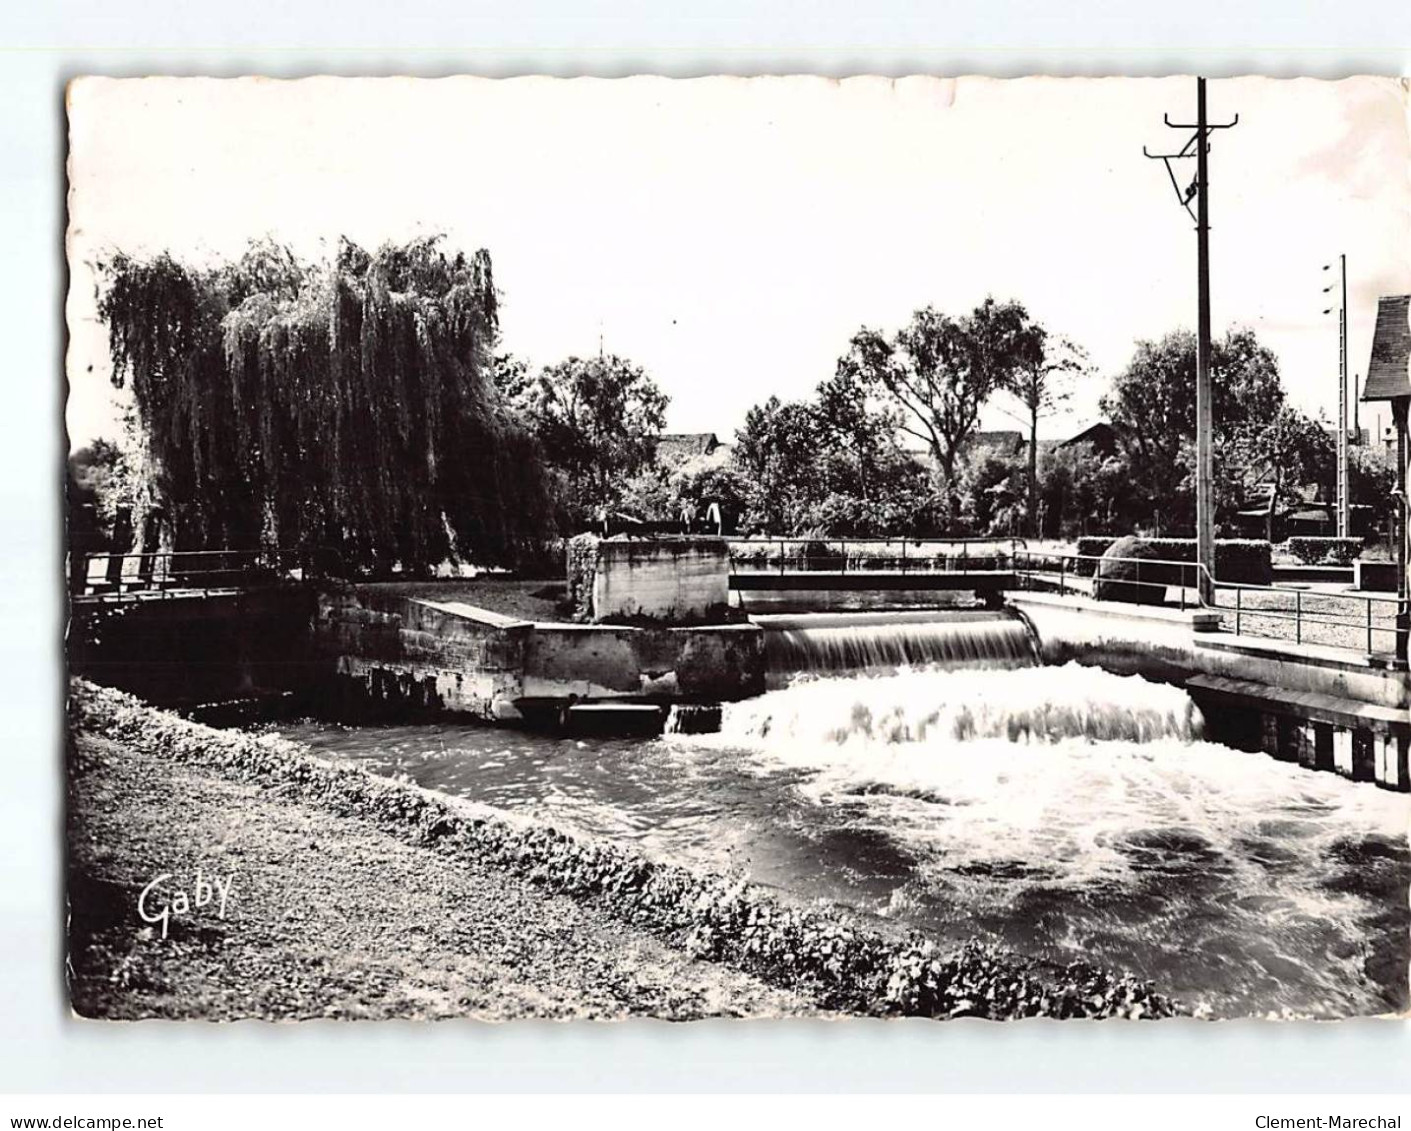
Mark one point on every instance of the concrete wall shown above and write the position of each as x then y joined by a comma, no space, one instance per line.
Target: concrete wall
1322,707
662,578
1374,577
1128,639
583,661
433,654
1178,644
455,657
609,661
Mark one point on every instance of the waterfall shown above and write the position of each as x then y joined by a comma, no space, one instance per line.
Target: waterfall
871,641
929,709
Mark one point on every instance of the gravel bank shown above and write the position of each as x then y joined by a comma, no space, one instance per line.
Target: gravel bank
330,916
367,897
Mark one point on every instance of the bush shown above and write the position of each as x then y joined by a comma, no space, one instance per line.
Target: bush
1092,547
1246,561
1316,551
1121,577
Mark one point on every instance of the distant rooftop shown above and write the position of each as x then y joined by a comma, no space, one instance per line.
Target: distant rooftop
1103,435
1000,443
676,447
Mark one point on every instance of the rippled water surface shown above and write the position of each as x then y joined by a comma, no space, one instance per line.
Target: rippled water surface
1065,812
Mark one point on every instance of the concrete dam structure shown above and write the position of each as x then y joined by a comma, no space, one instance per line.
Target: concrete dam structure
375,650
455,657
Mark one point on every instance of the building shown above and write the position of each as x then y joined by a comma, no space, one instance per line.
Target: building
675,448
1103,437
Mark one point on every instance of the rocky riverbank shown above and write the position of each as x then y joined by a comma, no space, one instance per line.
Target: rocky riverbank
352,895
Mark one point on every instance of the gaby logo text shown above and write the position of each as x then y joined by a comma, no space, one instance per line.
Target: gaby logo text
161,902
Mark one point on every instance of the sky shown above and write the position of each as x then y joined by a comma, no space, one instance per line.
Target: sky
730,235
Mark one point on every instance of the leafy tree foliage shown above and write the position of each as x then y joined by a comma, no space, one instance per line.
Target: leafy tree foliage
1042,383
832,465
667,494
1152,404
942,370
1284,452
1082,491
344,406
778,449
598,420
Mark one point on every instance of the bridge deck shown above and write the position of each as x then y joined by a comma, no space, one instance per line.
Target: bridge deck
880,580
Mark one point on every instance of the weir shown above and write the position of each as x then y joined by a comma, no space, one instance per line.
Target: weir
839,643
927,708
378,650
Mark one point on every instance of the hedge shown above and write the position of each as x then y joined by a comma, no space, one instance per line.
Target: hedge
1315,551
1089,548
1243,560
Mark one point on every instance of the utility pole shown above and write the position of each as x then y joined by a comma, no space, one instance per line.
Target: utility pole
1204,416
1344,488
1199,189
1344,501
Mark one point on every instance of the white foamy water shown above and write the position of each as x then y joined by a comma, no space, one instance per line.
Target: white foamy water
1065,812
928,706
1076,813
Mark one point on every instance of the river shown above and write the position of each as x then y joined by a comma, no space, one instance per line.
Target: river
1067,813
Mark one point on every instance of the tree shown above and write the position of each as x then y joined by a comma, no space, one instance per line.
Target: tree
1042,382
661,494
831,466
988,498
1282,453
1085,492
598,420
853,429
1372,483
777,449
344,408
513,381
941,371
1152,406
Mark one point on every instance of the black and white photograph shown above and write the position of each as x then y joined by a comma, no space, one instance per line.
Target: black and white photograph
779,547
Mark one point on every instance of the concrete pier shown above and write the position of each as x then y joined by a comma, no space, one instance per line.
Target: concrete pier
1326,708
455,657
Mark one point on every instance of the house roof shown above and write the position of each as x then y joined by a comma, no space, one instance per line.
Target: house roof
1389,371
1101,434
673,447
1003,442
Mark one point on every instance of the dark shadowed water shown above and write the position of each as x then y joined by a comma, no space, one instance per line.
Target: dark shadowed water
1065,812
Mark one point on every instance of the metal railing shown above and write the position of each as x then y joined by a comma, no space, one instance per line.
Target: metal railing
1313,615
165,573
870,555
1357,621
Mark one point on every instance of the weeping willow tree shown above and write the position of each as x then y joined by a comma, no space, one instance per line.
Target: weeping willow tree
345,406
